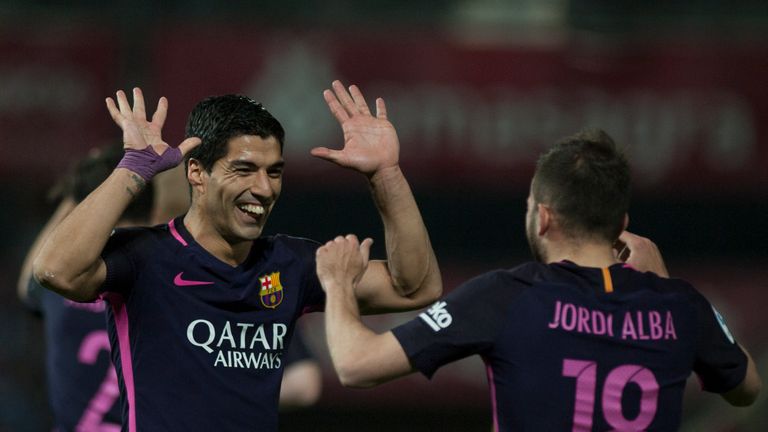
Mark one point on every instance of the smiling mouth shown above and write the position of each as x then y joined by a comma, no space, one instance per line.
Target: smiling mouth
253,210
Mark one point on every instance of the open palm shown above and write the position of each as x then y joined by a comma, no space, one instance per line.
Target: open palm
370,142
138,133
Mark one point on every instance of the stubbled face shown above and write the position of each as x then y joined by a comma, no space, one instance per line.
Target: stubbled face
531,229
243,186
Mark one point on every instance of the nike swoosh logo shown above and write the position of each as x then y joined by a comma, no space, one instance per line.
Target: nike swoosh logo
178,281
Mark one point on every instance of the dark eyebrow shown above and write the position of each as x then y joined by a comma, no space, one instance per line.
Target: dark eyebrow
250,165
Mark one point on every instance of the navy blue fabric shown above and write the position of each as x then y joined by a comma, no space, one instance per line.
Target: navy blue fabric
548,332
206,343
81,383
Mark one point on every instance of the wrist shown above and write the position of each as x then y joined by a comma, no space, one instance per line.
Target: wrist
386,175
146,162
339,290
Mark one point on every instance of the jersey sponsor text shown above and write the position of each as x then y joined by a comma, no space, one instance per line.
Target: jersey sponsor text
240,345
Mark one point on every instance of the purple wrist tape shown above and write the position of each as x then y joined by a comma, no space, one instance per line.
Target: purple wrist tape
147,162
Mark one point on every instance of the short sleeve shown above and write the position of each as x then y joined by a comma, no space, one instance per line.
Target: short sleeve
720,363
464,323
121,256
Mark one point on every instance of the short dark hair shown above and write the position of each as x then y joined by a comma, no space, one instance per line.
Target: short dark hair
586,181
217,119
91,171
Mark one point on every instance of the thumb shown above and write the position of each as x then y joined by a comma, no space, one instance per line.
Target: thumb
326,153
365,249
188,144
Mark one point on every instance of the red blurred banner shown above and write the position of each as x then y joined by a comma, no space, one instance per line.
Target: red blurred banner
52,87
691,118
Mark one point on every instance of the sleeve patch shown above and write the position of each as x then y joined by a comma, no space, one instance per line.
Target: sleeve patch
721,321
437,317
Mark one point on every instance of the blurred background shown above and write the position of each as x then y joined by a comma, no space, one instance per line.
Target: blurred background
475,88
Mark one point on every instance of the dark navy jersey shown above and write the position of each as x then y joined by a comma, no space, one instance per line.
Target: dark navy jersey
198,344
297,351
570,348
82,385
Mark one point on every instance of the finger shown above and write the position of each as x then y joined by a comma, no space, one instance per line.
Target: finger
188,144
328,154
139,110
122,102
623,253
353,239
333,104
365,249
629,238
357,97
344,97
158,118
381,109
113,110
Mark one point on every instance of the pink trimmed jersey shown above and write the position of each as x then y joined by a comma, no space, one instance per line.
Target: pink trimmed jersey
577,349
199,345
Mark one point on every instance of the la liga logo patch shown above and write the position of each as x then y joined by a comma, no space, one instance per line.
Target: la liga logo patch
271,292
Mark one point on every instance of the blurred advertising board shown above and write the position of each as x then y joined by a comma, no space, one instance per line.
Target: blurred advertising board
692,118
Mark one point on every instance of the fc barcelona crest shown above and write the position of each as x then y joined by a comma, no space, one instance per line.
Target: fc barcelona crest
271,292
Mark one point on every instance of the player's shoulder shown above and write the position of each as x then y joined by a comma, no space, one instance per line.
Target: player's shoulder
135,234
515,278
139,238
661,284
295,244
527,273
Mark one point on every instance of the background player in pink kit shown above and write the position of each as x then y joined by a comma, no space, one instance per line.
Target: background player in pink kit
201,309
82,385
574,341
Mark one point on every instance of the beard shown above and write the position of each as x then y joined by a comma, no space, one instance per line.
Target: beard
533,243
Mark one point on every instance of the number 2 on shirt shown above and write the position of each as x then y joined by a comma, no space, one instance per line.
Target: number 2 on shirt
95,342
617,379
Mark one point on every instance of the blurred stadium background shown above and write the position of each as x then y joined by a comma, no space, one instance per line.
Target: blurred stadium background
476,88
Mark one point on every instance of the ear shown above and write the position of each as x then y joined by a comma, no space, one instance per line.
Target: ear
196,174
546,218
626,221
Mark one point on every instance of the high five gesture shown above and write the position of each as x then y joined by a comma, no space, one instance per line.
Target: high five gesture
370,142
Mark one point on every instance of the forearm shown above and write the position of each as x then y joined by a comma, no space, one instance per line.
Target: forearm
360,357
69,261
411,259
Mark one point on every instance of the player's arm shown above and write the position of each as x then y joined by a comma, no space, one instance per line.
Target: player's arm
70,261
302,381
65,207
302,384
746,392
410,278
361,357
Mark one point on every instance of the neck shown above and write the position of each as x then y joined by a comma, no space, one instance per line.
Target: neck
584,254
205,234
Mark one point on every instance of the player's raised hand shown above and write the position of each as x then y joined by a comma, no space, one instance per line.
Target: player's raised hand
370,142
146,151
641,253
342,261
